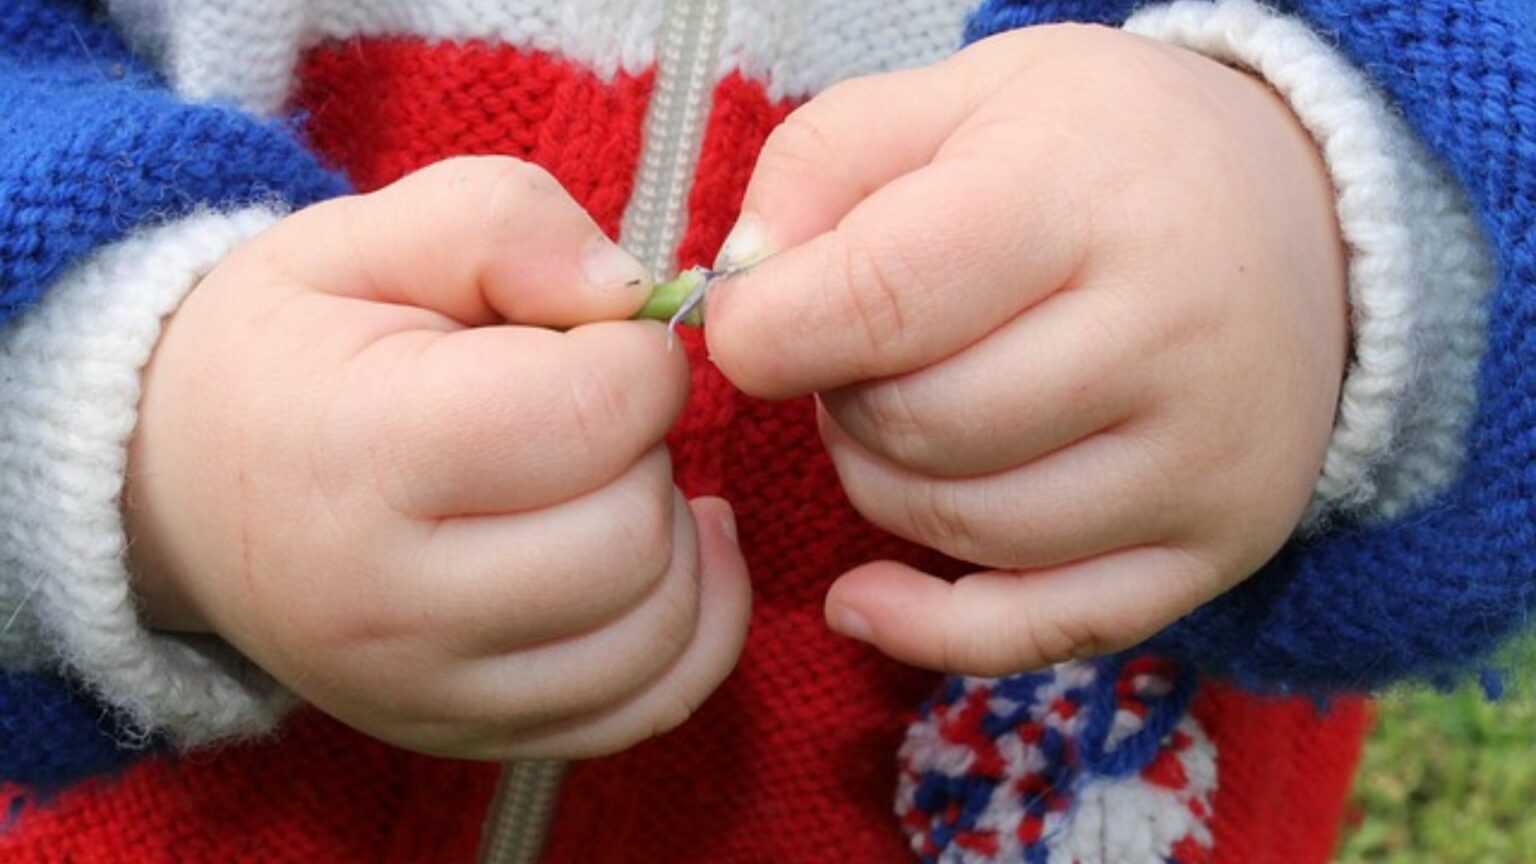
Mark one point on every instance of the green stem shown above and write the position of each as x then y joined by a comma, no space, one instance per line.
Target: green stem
667,298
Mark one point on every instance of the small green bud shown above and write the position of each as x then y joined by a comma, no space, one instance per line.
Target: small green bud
683,294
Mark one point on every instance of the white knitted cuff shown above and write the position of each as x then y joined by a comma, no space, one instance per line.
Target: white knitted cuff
1419,268
69,392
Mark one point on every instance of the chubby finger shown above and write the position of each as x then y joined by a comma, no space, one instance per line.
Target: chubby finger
999,622
500,583
819,163
1105,492
920,269
500,419
478,239
582,671
1051,376
725,599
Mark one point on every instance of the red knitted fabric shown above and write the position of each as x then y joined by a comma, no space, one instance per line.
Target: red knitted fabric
382,108
318,793
1284,772
793,760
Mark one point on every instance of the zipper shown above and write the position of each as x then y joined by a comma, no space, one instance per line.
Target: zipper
521,812
687,55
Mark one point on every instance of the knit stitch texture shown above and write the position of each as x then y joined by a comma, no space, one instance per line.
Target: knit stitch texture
72,409
93,147
1419,272
791,760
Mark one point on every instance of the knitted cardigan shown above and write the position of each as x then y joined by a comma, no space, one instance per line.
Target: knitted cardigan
1417,562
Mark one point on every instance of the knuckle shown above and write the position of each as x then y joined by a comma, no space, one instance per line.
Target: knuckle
1006,641
595,408
1203,574
512,188
982,651
1152,475
519,174
801,145
895,428
672,617
635,539
664,627
679,618
475,174
938,519
645,537
1038,641
527,177
870,300
961,652
393,476
317,219
1054,640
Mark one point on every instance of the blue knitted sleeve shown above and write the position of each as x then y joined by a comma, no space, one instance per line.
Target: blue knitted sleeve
92,146
1434,593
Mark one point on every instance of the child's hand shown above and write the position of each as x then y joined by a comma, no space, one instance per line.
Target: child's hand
454,534
1074,305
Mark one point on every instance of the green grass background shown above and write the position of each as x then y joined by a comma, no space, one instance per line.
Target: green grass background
1450,778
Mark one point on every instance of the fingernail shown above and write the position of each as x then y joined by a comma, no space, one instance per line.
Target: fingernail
746,245
728,524
852,624
608,266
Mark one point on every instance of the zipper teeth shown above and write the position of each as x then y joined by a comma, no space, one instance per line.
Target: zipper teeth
686,59
525,799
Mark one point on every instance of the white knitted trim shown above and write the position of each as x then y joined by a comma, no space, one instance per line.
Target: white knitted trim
143,23
69,391
242,53
802,48
607,36
1420,270
245,51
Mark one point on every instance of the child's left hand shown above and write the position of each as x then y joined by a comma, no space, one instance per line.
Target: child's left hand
1074,306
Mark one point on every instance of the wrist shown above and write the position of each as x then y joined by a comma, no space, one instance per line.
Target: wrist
155,572
158,519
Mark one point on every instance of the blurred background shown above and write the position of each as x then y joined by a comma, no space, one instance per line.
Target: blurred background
1450,778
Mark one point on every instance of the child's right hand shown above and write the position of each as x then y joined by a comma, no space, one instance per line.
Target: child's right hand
454,534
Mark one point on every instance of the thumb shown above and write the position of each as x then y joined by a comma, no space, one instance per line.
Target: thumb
835,150
823,165
481,240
